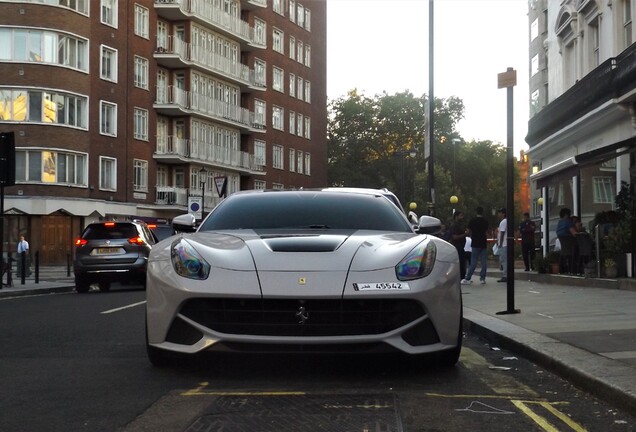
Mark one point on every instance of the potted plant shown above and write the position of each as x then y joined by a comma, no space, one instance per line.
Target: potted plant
541,263
610,268
554,259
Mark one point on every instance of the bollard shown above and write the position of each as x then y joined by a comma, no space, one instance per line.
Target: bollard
68,265
9,278
22,267
37,267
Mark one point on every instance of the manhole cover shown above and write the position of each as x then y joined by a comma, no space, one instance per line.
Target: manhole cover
307,413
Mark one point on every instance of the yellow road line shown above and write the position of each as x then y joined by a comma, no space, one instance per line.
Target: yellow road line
544,423
200,391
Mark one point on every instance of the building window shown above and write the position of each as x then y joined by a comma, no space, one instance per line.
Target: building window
277,117
292,10
141,72
259,153
292,122
534,65
534,29
292,85
277,157
299,162
604,190
308,127
278,186
300,15
300,51
277,5
299,88
307,91
46,166
259,185
308,55
627,23
141,175
534,102
307,19
277,41
259,112
108,118
292,160
141,124
107,173
594,41
292,48
307,164
109,64
278,79
260,72
38,106
109,12
260,32
299,128
141,21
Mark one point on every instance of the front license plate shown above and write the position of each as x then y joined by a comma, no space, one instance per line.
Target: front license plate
381,286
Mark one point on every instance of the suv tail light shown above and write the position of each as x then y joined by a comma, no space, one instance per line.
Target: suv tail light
80,242
136,241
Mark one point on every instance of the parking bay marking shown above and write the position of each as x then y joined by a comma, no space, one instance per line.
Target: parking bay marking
124,307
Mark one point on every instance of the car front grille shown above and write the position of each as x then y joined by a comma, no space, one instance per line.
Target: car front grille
307,317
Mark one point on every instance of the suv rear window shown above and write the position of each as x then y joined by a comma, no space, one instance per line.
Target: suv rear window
118,231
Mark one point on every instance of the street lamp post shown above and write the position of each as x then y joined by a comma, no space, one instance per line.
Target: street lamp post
203,178
403,154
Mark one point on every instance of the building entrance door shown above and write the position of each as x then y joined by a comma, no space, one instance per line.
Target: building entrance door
56,240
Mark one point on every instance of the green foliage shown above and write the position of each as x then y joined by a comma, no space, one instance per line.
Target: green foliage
619,238
369,139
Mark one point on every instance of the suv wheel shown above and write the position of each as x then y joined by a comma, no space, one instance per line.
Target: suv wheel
81,285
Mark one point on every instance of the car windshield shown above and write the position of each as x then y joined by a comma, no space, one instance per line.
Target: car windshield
306,210
113,231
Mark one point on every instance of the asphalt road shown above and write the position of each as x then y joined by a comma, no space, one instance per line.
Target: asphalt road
72,362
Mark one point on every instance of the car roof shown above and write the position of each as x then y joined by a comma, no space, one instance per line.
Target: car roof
383,191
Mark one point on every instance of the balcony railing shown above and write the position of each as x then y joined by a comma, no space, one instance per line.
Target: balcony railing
202,151
205,11
169,195
174,97
613,78
208,60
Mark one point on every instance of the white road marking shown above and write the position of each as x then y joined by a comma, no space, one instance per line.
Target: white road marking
544,315
124,307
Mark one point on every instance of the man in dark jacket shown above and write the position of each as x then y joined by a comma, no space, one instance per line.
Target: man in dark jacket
477,228
527,229
458,239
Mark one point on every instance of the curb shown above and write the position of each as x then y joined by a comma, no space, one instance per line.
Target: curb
20,292
606,379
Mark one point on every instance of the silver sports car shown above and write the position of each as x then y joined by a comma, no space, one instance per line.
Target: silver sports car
303,271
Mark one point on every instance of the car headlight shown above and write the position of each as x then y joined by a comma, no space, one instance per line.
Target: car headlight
187,262
418,263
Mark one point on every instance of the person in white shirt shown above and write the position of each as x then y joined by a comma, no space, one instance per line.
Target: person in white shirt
23,250
502,243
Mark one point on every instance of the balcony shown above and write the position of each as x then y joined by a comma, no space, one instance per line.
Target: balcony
174,101
610,81
169,195
174,150
180,54
205,13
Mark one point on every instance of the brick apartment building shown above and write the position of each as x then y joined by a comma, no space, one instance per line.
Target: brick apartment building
143,108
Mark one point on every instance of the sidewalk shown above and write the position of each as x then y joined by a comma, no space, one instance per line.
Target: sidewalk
584,330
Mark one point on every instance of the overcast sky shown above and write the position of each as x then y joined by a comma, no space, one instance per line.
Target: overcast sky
382,45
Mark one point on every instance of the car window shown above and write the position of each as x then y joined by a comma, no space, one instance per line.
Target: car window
163,231
275,210
118,231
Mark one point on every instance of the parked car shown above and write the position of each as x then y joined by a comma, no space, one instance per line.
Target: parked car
112,251
303,271
162,230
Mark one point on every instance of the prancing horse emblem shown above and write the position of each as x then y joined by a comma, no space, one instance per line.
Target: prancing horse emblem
302,315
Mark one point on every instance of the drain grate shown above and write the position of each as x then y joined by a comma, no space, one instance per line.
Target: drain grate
306,413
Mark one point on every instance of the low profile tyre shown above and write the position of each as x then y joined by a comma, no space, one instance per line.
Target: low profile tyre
81,285
104,286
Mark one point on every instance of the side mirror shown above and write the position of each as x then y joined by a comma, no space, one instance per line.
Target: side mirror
429,225
185,223
413,218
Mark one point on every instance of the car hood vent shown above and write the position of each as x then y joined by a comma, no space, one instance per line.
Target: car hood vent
304,243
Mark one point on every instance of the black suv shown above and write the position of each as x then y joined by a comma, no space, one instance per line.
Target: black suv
112,252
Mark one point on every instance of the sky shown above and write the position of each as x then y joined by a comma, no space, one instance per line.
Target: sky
378,46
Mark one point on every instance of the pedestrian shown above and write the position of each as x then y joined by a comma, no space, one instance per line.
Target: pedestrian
502,244
23,256
527,228
477,228
467,249
565,231
458,239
